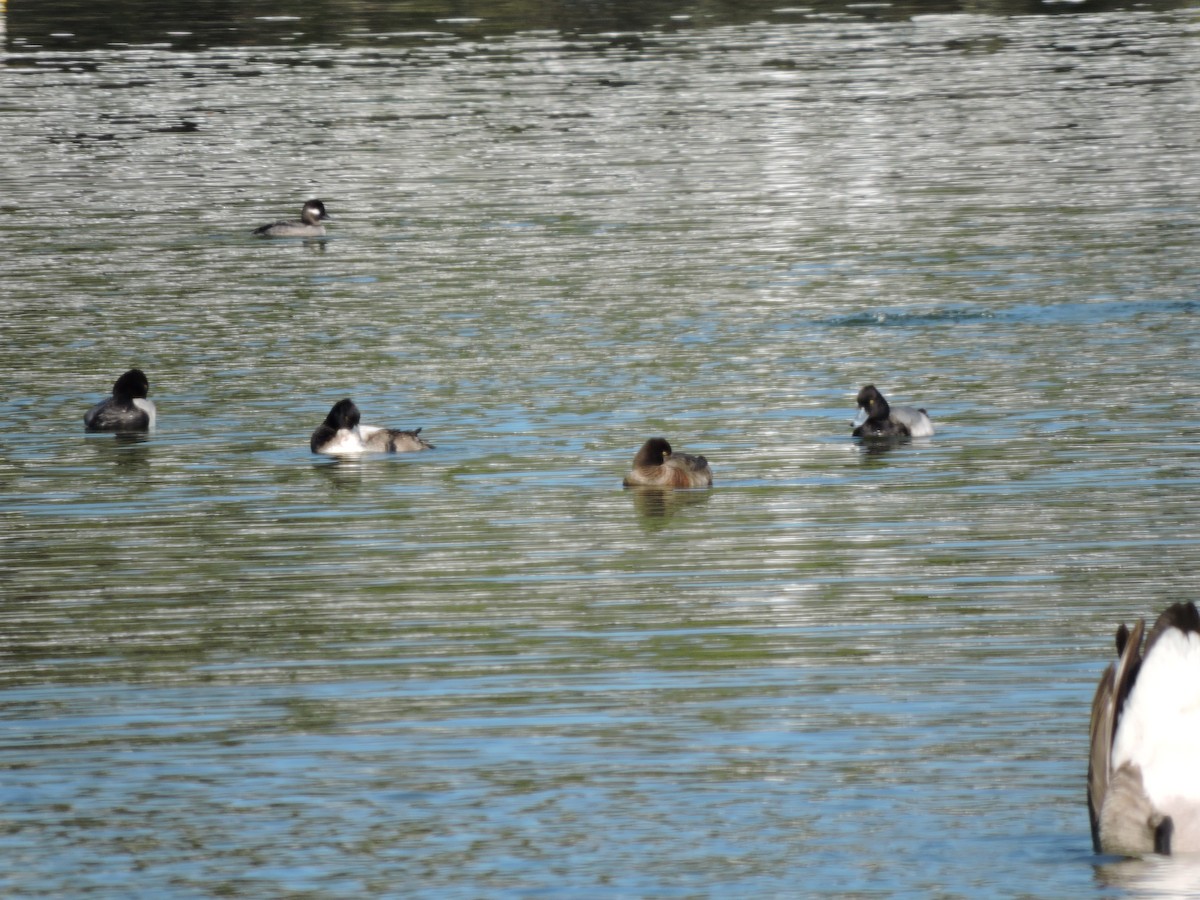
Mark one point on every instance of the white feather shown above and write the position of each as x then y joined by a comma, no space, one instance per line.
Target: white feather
347,442
147,406
365,432
1159,729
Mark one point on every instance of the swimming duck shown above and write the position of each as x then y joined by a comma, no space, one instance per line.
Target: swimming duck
1144,768
342,435
127,409
877,419
309,225
655,465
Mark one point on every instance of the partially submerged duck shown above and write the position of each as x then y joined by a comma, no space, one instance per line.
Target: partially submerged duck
656,465
876,418
1144,767
128,409
311,217
342,435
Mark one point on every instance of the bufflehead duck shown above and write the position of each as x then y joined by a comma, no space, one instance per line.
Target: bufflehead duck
309,225
877,419
342,435
1143,778
127,409
657,466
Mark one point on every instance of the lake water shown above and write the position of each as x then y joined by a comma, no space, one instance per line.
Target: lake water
231,668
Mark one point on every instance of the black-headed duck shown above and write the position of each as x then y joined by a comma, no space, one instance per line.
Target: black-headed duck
311,217
128,409
342,435
876,418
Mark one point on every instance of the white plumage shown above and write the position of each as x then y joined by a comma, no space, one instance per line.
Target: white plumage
1144,772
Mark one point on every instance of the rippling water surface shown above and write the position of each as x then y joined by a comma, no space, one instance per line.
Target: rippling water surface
231,668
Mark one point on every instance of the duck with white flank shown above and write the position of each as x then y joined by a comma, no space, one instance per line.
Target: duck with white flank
1144,767
341,434
128,409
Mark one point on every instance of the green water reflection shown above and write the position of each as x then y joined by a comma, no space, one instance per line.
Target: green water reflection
227,666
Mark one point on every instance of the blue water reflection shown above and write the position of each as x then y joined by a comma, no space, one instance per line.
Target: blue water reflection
228,666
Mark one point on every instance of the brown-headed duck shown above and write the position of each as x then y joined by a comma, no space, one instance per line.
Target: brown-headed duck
657,466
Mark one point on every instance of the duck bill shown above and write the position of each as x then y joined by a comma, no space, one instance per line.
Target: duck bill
860,418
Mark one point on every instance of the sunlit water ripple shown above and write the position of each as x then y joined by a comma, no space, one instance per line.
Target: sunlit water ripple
229,667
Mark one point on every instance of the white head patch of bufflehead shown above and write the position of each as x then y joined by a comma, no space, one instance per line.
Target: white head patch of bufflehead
342,434
876,418
127,409
311,217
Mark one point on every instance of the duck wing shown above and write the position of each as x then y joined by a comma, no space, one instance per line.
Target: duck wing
111,415
390,440
1143,789
687,470
1110,694
917,421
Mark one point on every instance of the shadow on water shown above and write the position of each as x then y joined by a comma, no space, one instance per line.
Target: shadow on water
343,477
367,475
75,24
128,452
351,476
871,448
1156,876
656,507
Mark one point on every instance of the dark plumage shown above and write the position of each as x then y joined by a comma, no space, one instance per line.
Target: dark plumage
311,217
127,409
876,418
